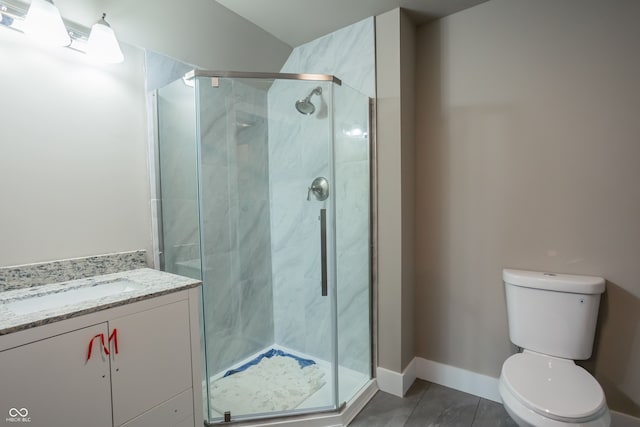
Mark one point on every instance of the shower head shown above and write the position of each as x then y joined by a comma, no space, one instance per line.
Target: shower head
304,105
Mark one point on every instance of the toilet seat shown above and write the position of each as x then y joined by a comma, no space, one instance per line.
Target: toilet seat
552,387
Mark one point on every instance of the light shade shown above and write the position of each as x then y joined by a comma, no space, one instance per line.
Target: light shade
44,23
103,45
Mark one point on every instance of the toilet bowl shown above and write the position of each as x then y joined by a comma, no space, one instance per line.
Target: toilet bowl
545,391
552,317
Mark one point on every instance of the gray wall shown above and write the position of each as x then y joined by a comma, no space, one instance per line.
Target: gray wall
72,154
408,176
74,150
395,36
527,157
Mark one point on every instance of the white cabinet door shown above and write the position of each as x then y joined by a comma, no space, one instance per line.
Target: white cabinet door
153,363
174,412
51,382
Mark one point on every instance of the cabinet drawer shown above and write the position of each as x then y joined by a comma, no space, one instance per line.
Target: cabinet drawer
175,412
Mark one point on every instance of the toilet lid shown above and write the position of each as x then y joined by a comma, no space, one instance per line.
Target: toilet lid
553,387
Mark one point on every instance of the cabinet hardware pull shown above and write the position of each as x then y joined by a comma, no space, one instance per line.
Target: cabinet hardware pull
114,337
101,336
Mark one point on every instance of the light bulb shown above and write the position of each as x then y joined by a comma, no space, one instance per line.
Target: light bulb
44,23
102,44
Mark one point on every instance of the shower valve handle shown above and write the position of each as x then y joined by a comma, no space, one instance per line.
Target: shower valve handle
319,188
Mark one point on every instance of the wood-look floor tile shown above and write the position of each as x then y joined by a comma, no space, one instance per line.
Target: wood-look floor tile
444,407
387,410
492,414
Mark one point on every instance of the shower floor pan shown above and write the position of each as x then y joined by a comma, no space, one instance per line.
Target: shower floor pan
350,382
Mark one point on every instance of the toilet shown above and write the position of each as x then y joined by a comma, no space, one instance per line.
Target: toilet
552,317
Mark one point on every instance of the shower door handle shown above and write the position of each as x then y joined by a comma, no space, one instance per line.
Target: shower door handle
323,249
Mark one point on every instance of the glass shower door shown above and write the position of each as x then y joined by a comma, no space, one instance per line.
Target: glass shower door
267,230
353,224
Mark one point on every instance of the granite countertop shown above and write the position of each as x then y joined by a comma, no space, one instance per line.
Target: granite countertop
137,285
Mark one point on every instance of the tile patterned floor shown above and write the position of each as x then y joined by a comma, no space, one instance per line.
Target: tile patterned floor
432,405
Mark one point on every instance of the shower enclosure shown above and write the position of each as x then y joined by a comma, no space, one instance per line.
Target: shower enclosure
265,188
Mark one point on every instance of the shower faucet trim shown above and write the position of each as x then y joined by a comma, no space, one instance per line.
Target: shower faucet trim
319,188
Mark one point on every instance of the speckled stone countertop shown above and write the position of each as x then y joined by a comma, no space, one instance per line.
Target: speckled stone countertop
148,283
64,270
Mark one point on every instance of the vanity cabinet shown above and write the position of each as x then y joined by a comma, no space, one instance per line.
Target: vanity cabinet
52,383
143,375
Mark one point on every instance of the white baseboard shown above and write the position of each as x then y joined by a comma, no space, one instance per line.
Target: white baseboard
389,381
458,378
409,376
394,383
483,385
618,419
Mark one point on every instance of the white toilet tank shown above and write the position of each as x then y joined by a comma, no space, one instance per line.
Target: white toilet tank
554,314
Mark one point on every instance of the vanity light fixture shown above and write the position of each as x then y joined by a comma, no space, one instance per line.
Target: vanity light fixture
102,44
42,20
44,23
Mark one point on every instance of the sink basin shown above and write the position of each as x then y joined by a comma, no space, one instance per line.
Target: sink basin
71,296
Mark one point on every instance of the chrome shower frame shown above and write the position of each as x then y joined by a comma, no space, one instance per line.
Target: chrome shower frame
251,75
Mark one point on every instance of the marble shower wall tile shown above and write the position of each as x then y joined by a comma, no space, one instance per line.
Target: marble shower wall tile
353,269
298,152
348,53
28,275
178,178
255,326
290,329
255,171
254,243
221,294
233,210
352,193
236,241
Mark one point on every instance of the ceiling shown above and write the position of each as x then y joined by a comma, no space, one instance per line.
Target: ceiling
296,22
